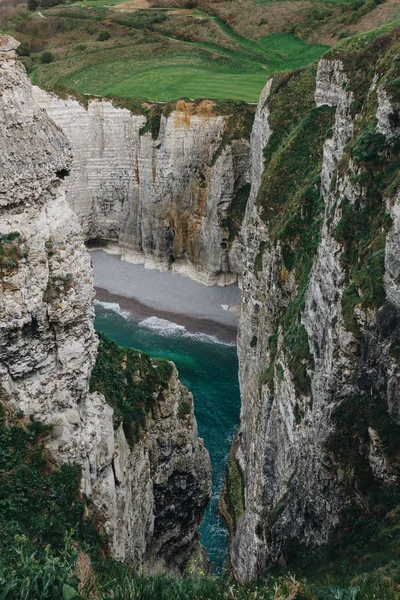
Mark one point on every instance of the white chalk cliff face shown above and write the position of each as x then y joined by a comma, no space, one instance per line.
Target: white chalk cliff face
318,370
162,201
319,335
48,349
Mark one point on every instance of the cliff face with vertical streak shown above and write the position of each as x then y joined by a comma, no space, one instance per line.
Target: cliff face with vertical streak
167,198
48,349
318,440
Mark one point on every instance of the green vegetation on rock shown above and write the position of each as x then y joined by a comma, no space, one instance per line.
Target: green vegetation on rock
371,161
131,383
10,253
37,499
234,494
237,210
290,202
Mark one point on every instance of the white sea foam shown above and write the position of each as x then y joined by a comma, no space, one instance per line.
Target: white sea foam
113,306
171,329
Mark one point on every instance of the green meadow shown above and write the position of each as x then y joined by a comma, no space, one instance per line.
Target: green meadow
153,54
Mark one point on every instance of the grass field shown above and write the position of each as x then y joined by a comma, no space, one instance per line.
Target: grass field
213,73
152,54
163,53
166,82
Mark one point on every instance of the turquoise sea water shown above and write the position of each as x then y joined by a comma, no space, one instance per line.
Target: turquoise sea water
210,371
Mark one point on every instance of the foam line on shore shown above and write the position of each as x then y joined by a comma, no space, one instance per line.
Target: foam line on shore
162,326
171,329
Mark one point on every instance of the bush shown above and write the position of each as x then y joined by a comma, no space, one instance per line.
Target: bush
27,62
43,577
131,382
32,4
368,144
23,49
103,35
46,57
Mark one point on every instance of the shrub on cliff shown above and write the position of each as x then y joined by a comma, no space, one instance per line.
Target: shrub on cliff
130,381
46,57
103,35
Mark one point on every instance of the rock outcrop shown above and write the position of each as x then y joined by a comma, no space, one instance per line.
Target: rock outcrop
167,196
48,349
317,449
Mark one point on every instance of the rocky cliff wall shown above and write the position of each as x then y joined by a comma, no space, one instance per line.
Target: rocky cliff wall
48,349
165,195
316,455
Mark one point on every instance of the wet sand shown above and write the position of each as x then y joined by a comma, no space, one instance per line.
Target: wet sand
145,293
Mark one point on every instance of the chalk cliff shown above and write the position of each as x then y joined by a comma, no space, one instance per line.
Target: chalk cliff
316,454
48,349
317,451
168,189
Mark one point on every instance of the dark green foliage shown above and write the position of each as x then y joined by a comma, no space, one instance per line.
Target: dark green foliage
23,49
368,144
364,225
350,299
32,4
236,211
291,97
32,575
185,407
131,382
238,122
369,527
234,495
141,19
36,498
46,57
51,3
103,35
153,121
121,583
362,54
292,206
10,253
276,511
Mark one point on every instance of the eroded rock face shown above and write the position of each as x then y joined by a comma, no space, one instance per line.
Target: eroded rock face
48,348
317,359
163,201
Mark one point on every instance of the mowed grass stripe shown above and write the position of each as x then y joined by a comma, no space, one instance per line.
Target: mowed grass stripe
161,83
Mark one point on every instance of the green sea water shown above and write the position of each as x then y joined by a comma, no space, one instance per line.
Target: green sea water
210,370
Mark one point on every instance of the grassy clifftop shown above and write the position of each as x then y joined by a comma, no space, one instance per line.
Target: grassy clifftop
153,54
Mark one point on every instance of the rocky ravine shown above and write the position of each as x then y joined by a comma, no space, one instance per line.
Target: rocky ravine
319,331
165,198
48,348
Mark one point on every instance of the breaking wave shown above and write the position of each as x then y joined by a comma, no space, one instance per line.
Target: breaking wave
113,306
171,329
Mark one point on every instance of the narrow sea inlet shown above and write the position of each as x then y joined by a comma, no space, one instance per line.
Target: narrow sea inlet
206,365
